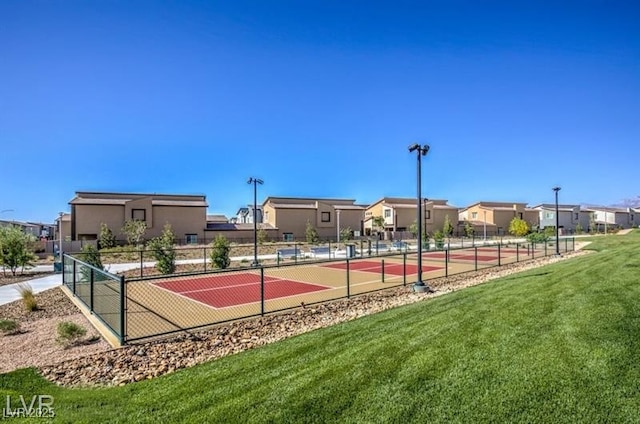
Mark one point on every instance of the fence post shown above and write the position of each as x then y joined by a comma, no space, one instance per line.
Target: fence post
545,248
123,312
75,270
566,246
499,262
383,270
517,252
404,269
348,286
446,263
91,279
295,252
533,250
141,264
204,252
476,256
262,290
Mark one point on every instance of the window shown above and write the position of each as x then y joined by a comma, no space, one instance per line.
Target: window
520,215
427,214
387,213
325,217
474,215
548,215
575,216
191,238
138,214
289,236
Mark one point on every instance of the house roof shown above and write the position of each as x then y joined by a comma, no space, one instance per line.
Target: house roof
217,218
108,198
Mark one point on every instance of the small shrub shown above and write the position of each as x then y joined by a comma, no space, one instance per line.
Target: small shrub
537,238
28,298
220,252
438,239
8,327
70,333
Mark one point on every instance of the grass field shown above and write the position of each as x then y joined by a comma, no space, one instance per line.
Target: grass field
554,344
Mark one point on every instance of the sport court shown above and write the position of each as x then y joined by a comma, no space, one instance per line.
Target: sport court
223,291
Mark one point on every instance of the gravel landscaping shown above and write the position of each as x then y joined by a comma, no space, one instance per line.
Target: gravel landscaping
98,364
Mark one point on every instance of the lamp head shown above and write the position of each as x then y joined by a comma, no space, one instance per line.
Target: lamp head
414,147
556,189
424,149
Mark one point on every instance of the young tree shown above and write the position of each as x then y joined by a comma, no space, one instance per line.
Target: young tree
134,231
579,229
518,227
91,256
311,234
447,228
378,223
438,239
346,234
468,229
106,240
262,236
16,249
413,229
163,249
219,255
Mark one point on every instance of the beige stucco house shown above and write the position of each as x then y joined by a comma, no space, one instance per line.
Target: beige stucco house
496,216
399,213
186,214
290,215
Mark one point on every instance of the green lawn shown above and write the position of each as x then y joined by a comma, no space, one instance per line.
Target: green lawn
554,344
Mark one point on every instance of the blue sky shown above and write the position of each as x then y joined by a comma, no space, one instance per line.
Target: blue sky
318,99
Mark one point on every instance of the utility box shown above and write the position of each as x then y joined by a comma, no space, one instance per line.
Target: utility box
350,250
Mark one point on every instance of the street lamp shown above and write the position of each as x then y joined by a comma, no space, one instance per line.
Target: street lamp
338,227
485,225
557,189
255,182
419,285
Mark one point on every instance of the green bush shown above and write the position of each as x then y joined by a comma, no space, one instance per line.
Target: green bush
438,239
537,238
70,333
8,326
163,251
106,240
220,252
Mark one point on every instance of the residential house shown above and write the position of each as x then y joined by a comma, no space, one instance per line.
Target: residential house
245,214
606,218
568,217
290,216
185,213
496,217
400,214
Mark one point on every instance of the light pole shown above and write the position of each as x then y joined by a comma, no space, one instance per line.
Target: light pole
557,189
255,182
337,227
419,285
485,225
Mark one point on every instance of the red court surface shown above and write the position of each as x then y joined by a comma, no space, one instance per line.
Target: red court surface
376,267
222,291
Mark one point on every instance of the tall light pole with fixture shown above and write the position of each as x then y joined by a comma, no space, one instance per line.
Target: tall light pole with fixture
419,285
255,182
337,227
485,225
557,189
